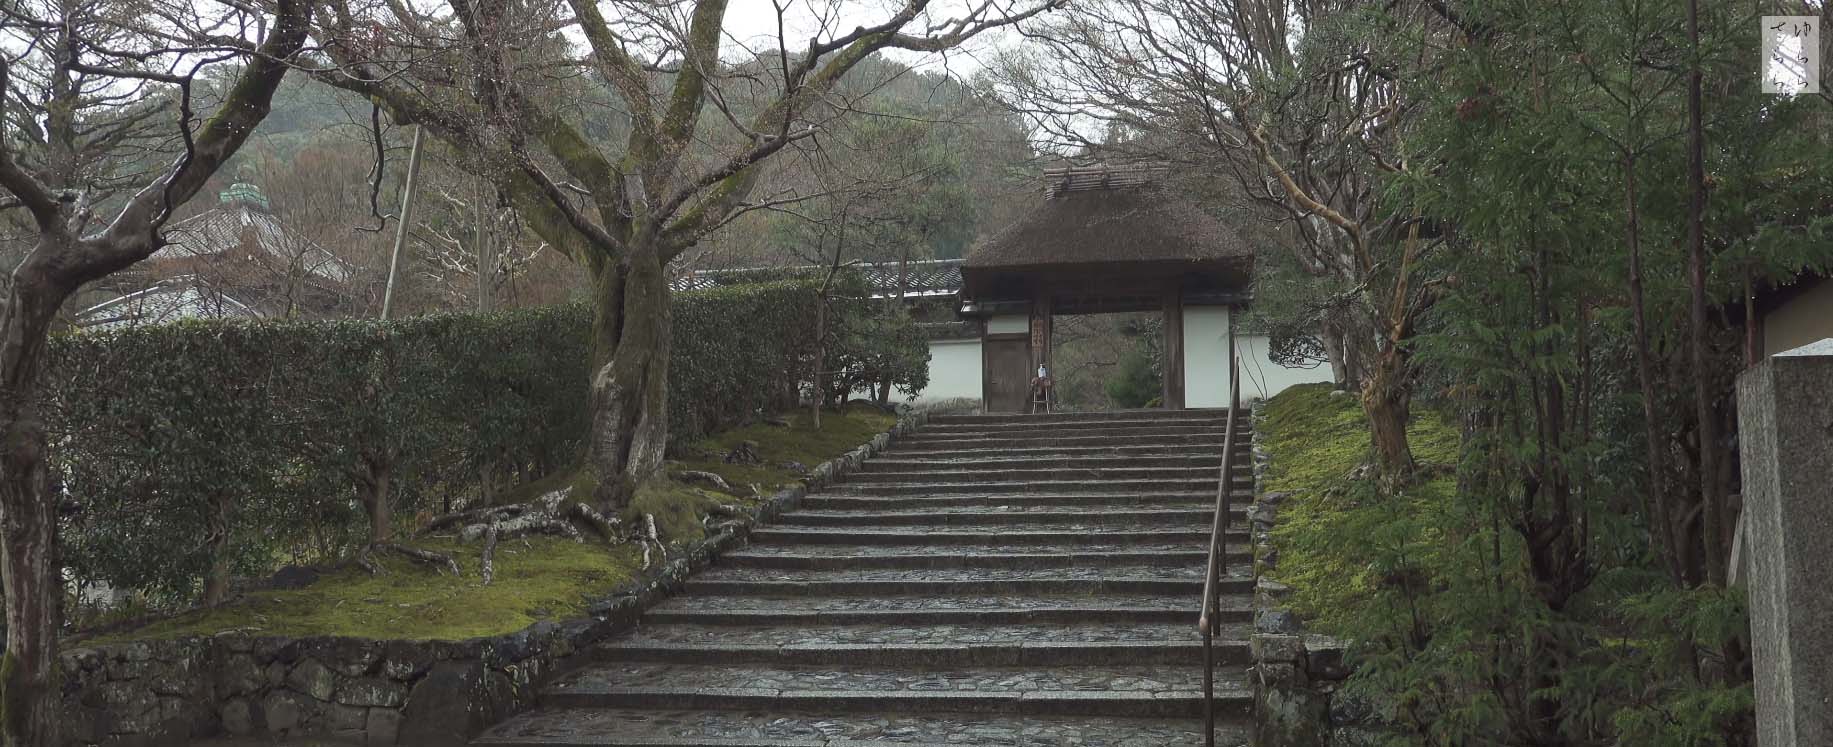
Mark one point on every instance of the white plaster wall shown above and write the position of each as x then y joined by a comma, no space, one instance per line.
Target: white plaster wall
1007,324
1205,356
1206,362
954,370
1262,378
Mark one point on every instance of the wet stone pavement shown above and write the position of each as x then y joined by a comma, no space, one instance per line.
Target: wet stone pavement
992,580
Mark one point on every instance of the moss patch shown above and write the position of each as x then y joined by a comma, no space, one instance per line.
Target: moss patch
679,509
536,578
1339,542
801,442
1316,439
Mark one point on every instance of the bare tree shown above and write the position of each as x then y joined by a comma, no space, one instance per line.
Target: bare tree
698,126
89,53
1301,111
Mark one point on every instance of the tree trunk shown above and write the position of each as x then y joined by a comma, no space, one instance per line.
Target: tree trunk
1656,500
373,481
216,584
1712,499
630,376
1386,400
28,519
815,378
1339,360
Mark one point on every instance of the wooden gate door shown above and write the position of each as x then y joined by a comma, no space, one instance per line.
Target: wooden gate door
1008,373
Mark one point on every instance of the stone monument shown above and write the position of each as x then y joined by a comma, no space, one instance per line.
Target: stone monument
1785,426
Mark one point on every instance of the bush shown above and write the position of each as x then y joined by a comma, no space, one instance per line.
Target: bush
871,347
175,443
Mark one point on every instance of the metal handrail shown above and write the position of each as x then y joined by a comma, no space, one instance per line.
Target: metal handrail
1210,620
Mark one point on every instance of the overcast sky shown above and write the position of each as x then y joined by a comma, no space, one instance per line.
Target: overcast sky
753,23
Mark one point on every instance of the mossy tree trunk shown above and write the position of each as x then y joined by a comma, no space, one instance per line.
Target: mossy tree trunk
1387,402
629,377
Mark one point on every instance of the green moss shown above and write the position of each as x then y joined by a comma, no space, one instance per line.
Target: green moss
801,442
536,578
1338,540
679,509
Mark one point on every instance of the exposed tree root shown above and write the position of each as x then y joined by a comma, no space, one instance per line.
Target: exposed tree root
606,526
365,558
488,564
649,538
705,477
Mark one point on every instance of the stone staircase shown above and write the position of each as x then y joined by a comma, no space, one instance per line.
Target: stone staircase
990,580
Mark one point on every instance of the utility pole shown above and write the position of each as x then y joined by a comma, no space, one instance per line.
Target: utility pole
407,216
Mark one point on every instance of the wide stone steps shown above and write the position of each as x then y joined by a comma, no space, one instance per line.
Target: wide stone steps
1094,476
936,610
932,501
1031,450
1027,535
1191,441
837,557
1141,485
960,581
621,727
926,645
896,462
1020,581
1113,430
1178,515
1077,420
1120,690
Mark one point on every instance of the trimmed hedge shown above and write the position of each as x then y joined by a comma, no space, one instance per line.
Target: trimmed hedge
164,436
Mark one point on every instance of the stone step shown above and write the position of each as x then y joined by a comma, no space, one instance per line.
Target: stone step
1121,690
936,610
620,727
1137,485
1210,439
890,463
825,557
967,517
1095,475
1016,536
833,502
943,451
964,581
1111,428
903,645
1002,418
1055,421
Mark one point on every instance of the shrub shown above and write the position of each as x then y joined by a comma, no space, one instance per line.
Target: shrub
871,347
177,444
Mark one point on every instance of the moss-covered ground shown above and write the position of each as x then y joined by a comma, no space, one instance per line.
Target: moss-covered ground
1337,539
536,578
777,445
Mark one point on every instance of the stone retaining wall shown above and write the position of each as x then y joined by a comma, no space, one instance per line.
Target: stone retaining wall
1296,676
369,692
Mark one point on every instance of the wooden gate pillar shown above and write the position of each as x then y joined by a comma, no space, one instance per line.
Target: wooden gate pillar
1172,397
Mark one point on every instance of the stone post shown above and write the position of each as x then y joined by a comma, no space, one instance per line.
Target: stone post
1785,429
